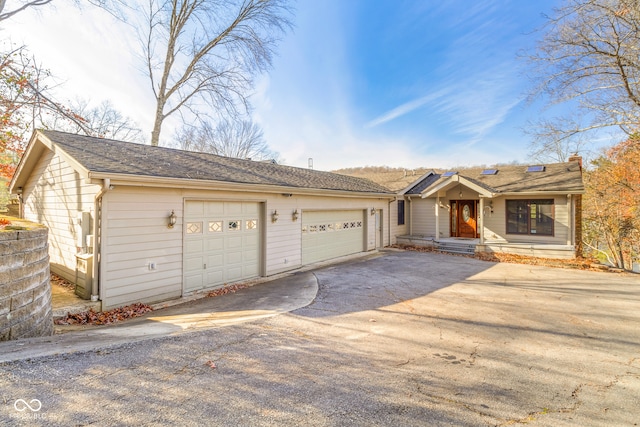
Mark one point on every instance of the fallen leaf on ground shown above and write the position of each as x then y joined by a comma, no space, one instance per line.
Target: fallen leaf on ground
92,317
226,290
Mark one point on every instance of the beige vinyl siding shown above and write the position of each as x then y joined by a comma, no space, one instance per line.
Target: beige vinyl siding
495,223
54,195
423,215
136,235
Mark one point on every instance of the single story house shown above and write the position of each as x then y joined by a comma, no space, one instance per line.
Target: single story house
134,223
529,210
130,222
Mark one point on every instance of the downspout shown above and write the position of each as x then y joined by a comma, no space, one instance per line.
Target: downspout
410,216
97,239
437,215
389,219
481,220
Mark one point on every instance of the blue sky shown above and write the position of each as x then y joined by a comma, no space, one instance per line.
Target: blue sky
357,82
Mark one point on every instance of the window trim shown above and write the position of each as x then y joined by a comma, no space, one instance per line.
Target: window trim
529,202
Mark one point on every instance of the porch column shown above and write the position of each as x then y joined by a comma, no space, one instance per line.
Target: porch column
481,220
437,208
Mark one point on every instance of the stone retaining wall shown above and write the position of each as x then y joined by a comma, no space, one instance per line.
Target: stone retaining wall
25,291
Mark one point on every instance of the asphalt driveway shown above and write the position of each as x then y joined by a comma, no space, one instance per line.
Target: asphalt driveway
398,339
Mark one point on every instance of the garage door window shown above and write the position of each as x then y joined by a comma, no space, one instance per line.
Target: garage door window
235,225
251,224
215,226
323,228
194,227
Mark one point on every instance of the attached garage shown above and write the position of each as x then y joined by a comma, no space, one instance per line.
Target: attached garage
221,243
161,223
332,234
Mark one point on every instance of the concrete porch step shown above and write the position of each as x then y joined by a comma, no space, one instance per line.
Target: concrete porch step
456,247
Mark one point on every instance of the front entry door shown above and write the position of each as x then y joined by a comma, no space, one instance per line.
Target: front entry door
466,219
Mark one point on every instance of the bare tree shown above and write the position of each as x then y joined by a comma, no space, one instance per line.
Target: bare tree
19,8
25,97
103,121
589,59
230,138
201,55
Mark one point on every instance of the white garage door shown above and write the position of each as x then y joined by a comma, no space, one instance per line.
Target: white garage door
221,243
331,234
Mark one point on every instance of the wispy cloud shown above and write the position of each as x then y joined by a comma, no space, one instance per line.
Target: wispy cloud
405,108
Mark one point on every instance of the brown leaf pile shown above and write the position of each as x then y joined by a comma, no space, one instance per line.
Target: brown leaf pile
226,290
92,317
577,263
59,281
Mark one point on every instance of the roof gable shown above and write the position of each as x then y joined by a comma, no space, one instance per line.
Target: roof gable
110,157
555,177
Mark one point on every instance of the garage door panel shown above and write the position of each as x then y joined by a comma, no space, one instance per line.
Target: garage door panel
194,209
215,260
233,257
233,208
251,209
193,246
194,264
226,235
233,242
215,276
193,280
331,234
216,244
234,273
214,209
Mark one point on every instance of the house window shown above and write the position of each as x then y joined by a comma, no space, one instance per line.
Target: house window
400,212
532,217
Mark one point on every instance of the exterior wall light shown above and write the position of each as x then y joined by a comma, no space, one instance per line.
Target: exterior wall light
294,215
373,211
274,216
172,219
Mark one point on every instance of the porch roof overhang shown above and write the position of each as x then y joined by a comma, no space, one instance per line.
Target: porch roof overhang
451,182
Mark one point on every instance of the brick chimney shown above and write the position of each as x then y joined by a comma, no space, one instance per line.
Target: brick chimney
576,158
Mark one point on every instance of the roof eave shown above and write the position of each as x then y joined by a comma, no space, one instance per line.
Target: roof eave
456,179
539,192
36,146
200,184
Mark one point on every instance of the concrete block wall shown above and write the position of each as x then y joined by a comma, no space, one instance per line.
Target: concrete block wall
25,289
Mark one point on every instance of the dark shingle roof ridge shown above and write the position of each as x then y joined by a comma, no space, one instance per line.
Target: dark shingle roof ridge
559,176
196,165
424,183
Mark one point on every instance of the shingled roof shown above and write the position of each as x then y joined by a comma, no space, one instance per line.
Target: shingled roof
100,155
556,177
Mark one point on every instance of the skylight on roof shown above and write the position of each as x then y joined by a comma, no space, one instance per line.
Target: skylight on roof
450,173
489,172
538,168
